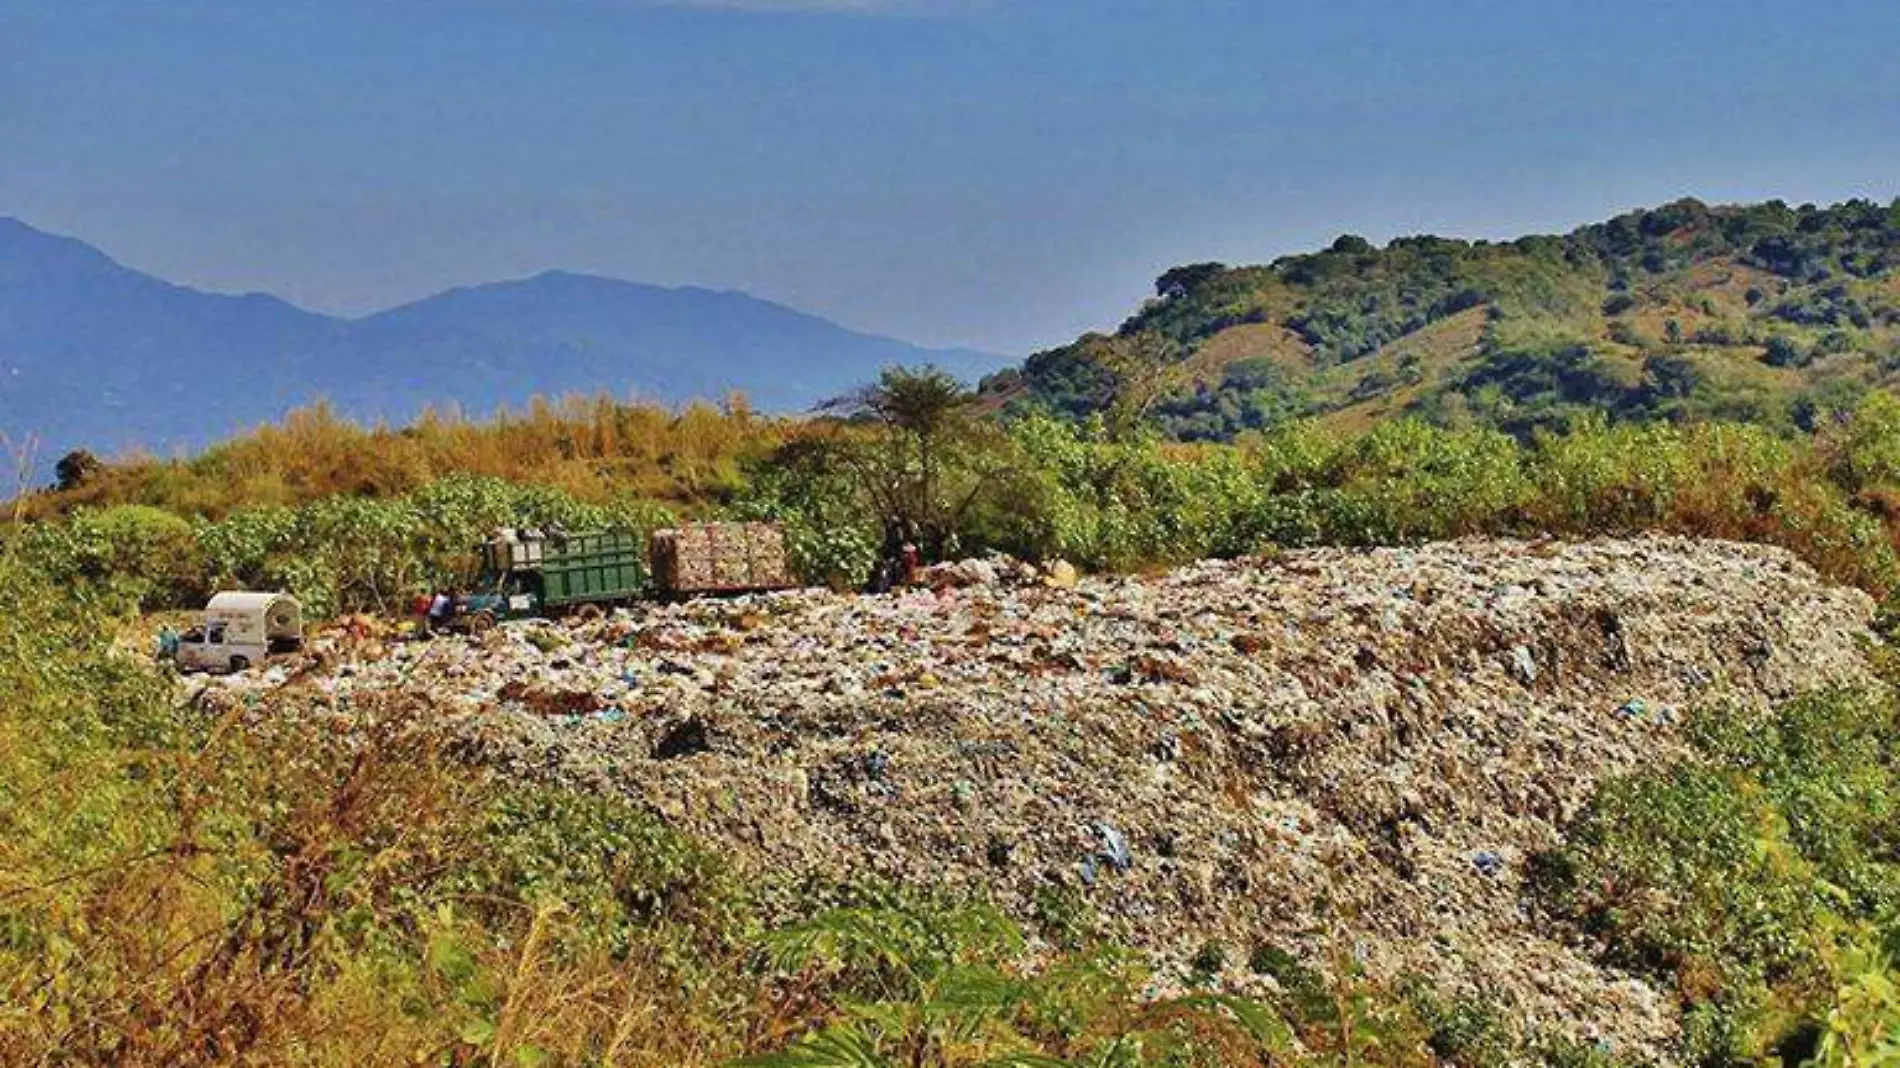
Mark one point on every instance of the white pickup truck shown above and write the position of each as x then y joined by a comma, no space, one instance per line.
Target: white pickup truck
239,629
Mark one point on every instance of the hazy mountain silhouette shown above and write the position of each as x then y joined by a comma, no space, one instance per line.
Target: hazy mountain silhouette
96,355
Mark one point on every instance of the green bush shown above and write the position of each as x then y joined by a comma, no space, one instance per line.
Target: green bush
1115,501
831,536
337,554
141,557
1753,880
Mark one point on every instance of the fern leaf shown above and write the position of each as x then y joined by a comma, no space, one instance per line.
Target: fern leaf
836,1048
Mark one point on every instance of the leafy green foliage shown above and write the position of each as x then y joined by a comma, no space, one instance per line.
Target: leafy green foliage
1813,286
1758,880
1046,488
930,983
335,553
923,461
139,556
1111,503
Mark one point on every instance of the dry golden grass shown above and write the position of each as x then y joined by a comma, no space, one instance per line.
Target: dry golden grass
589,447
1248,341
1441,349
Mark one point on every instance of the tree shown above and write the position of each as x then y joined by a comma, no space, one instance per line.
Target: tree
921,469
1141,369
1784,351
76,468
1181,281
1670,377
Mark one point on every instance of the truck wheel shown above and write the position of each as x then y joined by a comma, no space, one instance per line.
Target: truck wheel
589,613
239,663
481,623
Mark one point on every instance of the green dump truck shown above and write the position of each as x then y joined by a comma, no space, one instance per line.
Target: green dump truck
532,572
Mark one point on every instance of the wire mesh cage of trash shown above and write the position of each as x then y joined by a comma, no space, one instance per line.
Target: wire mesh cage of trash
720,558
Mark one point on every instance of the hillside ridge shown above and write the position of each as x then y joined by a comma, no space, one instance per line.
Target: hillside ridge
1759,313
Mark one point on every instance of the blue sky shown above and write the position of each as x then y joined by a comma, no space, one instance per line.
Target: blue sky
1001,173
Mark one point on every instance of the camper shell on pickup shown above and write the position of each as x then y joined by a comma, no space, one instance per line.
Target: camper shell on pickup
239,629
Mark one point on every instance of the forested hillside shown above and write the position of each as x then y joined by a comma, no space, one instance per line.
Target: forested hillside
1763,313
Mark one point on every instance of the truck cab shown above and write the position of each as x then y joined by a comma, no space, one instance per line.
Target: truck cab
495,598
210,648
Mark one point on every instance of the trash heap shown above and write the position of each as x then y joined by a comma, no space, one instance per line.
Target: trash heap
1206,756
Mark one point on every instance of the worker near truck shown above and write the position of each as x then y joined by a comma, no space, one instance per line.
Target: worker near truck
440,607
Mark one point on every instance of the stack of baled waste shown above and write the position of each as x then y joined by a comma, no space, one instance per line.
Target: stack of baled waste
720,558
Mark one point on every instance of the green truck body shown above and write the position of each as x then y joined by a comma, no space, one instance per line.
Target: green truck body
528,573
531,572
591,568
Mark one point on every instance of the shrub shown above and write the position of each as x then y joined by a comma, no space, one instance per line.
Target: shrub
141,557
1784,351
1753,879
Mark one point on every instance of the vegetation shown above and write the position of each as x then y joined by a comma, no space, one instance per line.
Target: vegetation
1763,313
592,449
926,467
178,886
1762,883
1038,488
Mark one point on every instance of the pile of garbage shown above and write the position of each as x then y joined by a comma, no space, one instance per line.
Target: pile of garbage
1283,751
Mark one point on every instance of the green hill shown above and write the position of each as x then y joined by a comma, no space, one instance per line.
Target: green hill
1761,313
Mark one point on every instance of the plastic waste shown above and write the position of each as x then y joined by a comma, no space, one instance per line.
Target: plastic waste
1114,847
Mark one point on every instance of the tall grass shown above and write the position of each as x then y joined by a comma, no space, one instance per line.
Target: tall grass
591,448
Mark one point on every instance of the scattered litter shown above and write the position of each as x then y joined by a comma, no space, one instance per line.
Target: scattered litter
1524,664
1321,734
684,739
1114,847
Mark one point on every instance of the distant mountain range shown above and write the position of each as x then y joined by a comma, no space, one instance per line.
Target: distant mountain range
96,355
